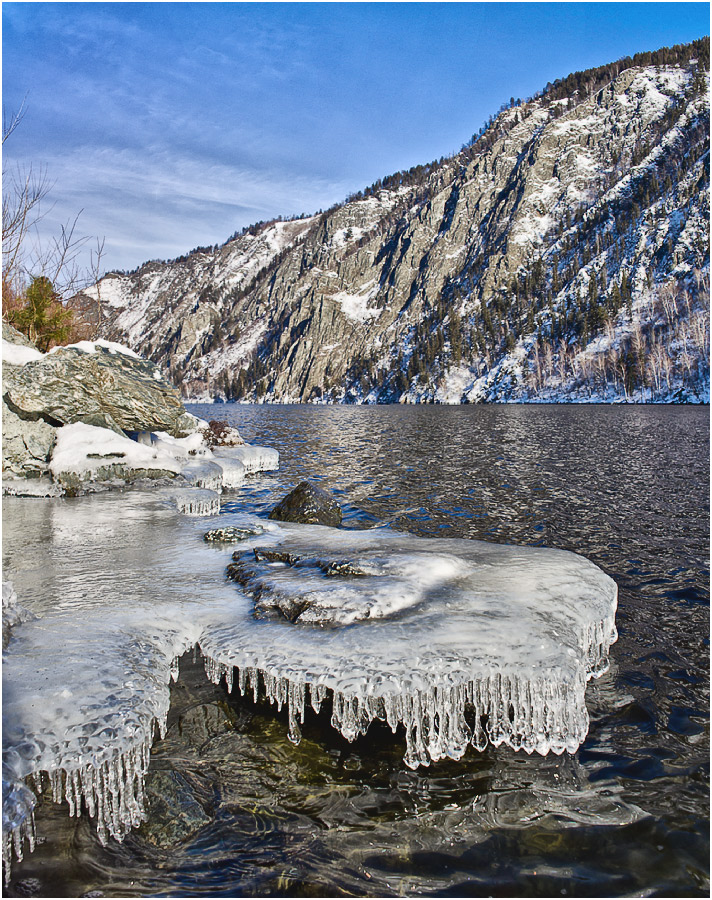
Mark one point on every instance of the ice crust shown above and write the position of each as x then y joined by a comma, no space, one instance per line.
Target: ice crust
252,457
90,452
83,449
194,501
459,642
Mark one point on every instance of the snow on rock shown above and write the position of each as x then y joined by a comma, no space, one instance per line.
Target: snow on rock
91,347
355,306
86,455
85,450
18,354
463,643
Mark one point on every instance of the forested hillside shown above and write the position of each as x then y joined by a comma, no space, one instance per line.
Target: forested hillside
562,254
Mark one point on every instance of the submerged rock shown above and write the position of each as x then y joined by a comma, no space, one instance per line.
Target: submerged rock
174,810
309,505
99,385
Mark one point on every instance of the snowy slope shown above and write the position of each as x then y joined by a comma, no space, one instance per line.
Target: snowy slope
563,255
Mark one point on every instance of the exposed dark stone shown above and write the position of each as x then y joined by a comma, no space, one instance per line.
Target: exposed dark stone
221,434
231,534
309,505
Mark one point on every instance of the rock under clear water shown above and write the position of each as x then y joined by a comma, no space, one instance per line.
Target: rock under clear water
459,643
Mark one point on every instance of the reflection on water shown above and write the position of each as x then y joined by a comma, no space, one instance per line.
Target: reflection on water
626,486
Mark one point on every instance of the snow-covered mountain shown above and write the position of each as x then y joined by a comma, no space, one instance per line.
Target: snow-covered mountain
563,254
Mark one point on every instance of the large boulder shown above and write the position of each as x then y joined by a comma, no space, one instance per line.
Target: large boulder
13,336
27,439
99,384
309,505
26,443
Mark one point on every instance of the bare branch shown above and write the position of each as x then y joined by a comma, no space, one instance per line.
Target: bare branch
11,121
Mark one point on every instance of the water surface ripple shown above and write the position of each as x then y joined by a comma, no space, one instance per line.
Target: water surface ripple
626,486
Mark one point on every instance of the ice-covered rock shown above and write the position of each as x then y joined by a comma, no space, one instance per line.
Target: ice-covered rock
100,386
87,453
233,472
308,504
194,501
233,534
30,487
252,457
458,642
204,473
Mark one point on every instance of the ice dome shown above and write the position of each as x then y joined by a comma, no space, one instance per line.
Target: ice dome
462,643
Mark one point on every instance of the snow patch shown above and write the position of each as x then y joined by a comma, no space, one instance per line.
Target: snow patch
355,306
18,354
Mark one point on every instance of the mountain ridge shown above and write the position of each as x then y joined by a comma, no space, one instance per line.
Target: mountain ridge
564,255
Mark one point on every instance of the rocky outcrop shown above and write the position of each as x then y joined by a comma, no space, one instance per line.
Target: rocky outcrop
65,414
101,386
221,434
308,504
27,438
459,281
27,442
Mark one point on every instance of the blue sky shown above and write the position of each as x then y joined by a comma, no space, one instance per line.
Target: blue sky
172,125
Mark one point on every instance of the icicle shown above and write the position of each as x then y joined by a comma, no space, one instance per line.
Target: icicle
175,669
254,682
317,693
296,710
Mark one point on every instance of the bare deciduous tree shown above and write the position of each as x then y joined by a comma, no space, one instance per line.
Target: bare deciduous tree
25,253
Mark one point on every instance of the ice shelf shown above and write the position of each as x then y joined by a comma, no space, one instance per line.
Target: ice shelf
193,501
458,643
252,457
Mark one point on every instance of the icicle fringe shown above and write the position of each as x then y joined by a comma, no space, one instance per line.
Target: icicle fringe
541,714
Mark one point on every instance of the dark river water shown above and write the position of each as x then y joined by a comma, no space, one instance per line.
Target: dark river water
628,815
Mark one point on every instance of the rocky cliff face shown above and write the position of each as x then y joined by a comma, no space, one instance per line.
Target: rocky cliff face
564,254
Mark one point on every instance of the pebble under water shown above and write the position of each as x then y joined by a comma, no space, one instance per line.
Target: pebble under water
236,809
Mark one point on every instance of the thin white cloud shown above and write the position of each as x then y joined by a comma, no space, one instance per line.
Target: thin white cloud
162,204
